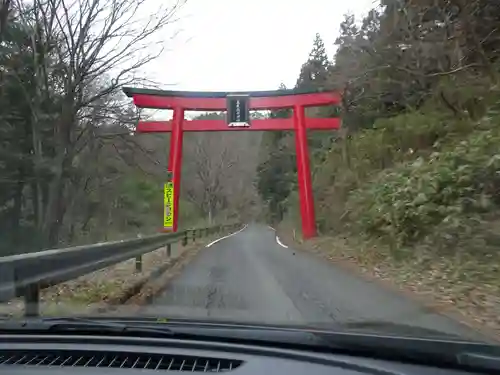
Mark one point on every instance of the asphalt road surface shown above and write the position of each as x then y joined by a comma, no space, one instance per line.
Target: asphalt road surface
251,276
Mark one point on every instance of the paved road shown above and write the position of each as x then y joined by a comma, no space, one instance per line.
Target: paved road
250,277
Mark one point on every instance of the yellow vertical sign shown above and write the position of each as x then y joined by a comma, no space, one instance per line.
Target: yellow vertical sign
168,205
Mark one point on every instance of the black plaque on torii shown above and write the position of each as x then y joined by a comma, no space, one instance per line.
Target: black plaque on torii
238,110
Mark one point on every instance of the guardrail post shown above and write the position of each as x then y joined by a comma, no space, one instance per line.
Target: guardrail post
169,250
32,300
194,235
185,239
138,263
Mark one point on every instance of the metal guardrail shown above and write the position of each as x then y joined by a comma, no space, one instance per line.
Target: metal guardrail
24,275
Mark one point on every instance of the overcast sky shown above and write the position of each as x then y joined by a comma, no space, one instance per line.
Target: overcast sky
248,44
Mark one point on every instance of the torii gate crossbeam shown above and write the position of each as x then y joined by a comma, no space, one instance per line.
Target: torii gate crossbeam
238,105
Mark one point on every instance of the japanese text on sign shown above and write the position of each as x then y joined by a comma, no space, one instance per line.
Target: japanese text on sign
168,204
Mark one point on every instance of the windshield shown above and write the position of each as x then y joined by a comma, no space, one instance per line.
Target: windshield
312,164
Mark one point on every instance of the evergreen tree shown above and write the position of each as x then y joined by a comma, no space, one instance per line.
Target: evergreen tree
315,75
314,71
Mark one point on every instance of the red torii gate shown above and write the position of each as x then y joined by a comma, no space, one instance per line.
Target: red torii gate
238,105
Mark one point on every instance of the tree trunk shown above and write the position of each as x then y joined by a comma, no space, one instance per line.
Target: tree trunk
54,212
56,206
18,199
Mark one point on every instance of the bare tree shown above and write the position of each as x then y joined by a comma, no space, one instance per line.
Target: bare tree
219,170
5,6
83,51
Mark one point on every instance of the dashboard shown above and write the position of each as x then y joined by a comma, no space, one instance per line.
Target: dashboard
63,354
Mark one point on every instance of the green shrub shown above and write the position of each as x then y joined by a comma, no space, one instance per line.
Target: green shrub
349,164
403,137
406,202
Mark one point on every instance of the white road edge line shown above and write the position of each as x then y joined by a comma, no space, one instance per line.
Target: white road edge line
229,235
270,227
279,243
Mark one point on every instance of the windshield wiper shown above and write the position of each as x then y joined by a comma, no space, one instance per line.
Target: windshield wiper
398,329
81,325
226,333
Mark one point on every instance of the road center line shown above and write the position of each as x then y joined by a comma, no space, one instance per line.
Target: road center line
279,243
229,235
